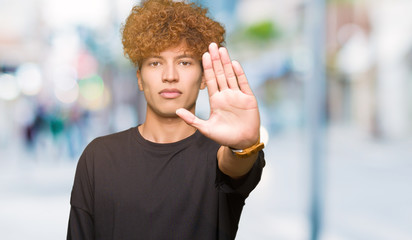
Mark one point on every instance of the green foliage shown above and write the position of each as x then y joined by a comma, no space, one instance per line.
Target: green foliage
263,31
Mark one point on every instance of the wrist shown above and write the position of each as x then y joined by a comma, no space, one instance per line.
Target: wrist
246,152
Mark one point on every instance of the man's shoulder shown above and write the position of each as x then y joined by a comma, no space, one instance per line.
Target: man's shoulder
113,139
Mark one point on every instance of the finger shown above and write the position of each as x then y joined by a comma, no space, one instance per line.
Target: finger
227,66
218,67
191,119
241,78
209,74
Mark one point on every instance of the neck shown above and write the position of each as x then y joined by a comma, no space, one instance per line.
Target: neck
164,130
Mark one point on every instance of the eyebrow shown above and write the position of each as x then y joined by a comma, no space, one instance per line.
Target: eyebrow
185,56
178,57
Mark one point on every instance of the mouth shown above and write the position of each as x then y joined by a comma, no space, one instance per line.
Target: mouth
170,93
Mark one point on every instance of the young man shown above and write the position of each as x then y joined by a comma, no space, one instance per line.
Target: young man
174,176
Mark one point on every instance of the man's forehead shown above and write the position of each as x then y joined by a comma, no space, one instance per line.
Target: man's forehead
179,51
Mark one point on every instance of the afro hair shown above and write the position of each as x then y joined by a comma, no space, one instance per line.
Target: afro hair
155,25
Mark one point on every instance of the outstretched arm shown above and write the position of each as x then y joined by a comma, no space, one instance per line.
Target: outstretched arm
234,115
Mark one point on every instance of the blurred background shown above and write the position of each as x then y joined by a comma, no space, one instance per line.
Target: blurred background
333,81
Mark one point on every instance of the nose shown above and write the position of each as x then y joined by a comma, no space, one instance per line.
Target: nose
170,73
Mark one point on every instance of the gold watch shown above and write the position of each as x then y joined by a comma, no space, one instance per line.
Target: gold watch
243,153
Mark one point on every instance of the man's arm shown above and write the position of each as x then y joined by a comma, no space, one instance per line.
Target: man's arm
232,165
80,225
81,221
234,120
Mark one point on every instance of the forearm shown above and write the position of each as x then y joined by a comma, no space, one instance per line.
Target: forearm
232,165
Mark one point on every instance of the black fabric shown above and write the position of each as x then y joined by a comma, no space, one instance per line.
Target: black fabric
126,187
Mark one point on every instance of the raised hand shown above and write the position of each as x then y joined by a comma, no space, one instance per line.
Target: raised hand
234,115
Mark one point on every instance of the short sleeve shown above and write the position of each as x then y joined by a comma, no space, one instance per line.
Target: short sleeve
244,185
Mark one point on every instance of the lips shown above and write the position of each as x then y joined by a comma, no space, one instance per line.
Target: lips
170,93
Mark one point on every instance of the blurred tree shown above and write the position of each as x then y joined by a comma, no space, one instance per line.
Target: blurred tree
262,32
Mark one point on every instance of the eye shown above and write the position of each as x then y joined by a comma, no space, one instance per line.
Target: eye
185,63
154,63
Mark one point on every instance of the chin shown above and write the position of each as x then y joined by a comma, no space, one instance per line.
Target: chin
167,114
168,111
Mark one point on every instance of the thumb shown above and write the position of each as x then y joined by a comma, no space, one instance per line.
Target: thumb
191,119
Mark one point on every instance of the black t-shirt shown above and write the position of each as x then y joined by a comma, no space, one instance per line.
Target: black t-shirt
126,187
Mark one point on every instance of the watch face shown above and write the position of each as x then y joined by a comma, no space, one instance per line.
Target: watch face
237,150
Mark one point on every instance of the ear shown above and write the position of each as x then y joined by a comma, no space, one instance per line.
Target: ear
139,80
203,82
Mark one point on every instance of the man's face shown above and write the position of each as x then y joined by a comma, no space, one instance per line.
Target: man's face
171,80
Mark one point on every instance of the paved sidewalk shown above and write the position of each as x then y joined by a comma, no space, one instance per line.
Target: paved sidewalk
368,193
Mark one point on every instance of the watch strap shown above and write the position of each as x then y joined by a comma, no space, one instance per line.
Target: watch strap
243,153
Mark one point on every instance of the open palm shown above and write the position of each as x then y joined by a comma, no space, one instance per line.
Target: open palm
234,115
